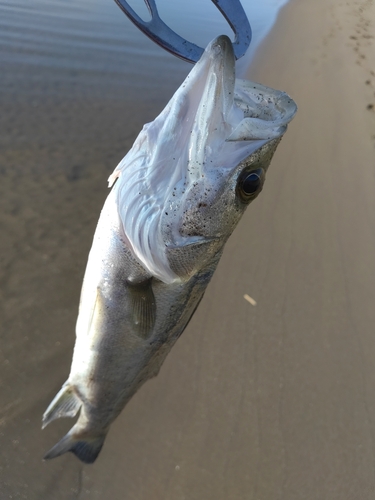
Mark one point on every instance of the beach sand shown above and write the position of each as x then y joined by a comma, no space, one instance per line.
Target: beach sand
261,402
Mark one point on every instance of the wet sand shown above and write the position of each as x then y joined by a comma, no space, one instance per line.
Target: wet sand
265,402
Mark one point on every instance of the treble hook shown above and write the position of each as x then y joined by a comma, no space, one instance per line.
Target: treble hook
164,36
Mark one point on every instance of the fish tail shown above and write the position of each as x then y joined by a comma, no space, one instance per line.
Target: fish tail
66,403
86,449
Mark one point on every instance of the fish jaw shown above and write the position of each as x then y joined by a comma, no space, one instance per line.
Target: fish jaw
189,152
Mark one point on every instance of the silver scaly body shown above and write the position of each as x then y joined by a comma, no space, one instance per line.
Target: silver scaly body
177,196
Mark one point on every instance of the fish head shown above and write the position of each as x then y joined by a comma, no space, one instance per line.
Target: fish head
193,171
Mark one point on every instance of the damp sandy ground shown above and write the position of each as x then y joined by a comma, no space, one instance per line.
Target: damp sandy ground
265,402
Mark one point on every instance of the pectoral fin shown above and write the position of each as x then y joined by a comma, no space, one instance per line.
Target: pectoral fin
143,307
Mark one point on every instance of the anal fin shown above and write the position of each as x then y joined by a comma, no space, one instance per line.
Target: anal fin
66,403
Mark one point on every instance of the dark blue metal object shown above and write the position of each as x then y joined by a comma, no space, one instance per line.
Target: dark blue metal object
161,34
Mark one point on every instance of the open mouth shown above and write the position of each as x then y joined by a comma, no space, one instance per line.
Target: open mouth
230,110
266,112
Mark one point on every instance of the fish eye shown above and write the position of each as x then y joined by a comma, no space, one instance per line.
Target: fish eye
250,184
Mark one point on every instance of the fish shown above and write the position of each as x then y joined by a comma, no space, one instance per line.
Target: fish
176,197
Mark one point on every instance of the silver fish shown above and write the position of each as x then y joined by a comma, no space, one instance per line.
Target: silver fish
178,195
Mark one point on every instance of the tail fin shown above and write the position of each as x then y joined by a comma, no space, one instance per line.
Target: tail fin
86,450
66,403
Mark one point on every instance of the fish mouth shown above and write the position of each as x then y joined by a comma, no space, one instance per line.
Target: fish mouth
266,112
229,110
251,111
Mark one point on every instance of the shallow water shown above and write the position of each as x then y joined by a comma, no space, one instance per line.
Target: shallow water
84,46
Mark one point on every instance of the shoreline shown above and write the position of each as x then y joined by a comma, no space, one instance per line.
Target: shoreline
316,220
